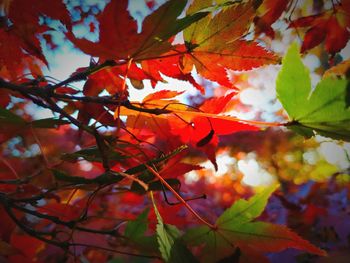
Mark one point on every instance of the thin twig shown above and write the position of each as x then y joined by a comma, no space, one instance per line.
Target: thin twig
132,178
179,197
10,167
114,250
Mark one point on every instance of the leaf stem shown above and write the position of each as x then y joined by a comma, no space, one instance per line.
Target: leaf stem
179,197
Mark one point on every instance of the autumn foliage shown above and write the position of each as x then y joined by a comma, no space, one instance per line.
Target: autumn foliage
106,178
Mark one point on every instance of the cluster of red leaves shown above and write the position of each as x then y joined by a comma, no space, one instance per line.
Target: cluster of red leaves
20,32
21,47
331,26
268,12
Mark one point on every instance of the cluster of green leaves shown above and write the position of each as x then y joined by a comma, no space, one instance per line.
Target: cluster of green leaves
236,229
323,110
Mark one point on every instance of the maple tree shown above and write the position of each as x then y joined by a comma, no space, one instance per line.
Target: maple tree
104,180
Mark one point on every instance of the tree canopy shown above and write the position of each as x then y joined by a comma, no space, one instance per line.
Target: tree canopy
89,173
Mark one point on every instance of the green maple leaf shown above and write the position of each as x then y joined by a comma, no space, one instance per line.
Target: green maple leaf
170,243
235,229
136,228
322,110
135,233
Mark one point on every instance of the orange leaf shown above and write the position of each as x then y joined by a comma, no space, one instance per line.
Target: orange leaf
216,105
163,94
169,65
214,45
339,70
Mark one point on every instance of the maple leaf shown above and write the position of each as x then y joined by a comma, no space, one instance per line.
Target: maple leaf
119,38
25,18
341,69
135,231
7,250
12,125
21,49
22,12
106,79
7,225
27,245
167,105
4,99
159,95
215,43
137,228
23,38
173,168
235,229
322,110
267,13
196,127
169,65
112,79
88,111
170,245
330,26
13,61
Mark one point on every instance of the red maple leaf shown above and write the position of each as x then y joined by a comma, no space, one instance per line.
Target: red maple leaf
331,26
269,11
19,34
119,37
